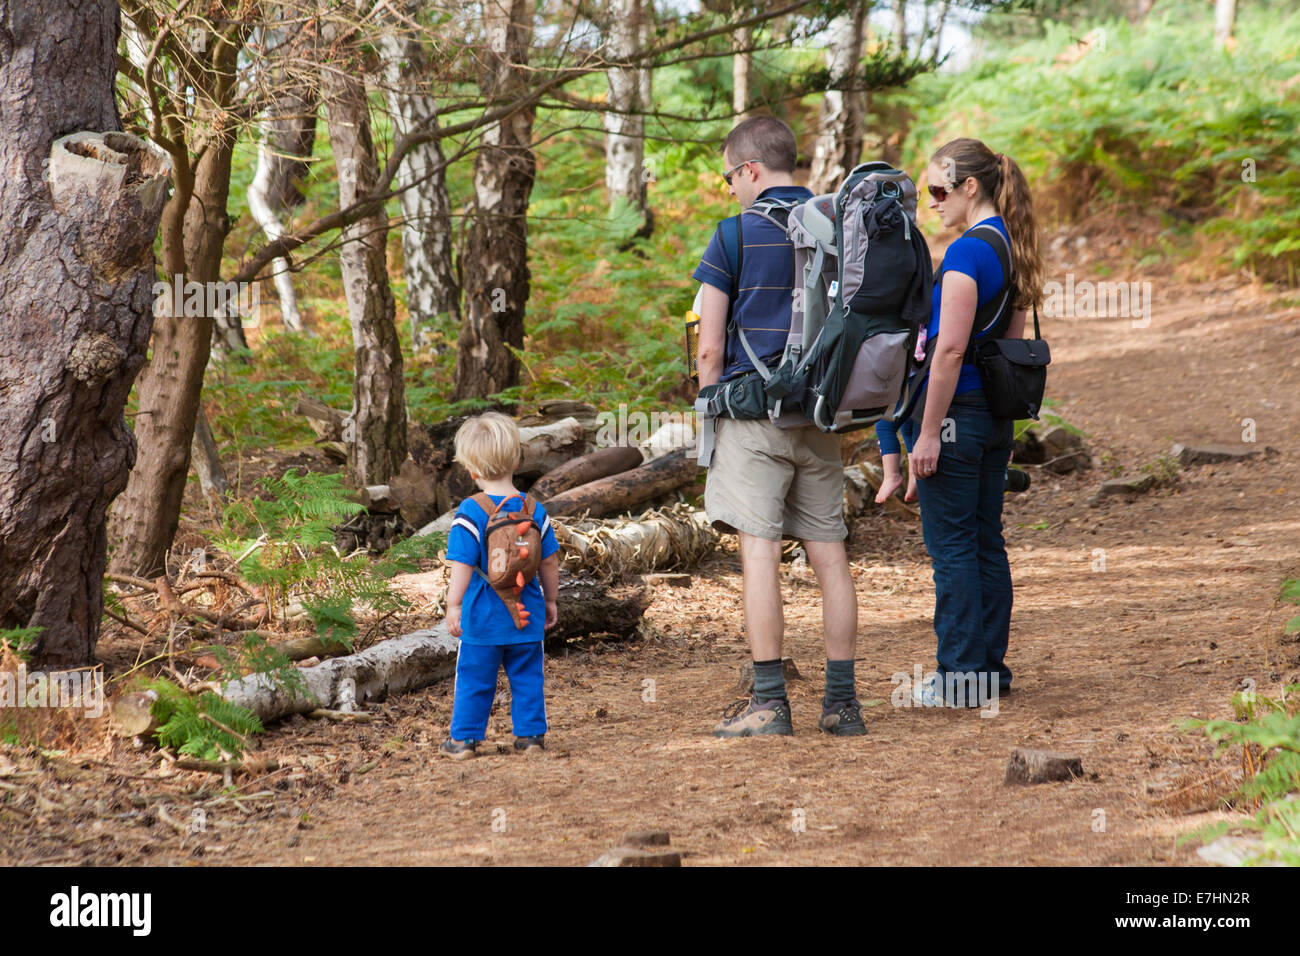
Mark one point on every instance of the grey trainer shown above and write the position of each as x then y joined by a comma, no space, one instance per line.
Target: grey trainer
748,718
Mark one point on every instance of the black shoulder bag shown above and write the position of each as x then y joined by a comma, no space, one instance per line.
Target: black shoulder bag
1013,371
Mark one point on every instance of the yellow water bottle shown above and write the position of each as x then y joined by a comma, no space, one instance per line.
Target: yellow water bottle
693,344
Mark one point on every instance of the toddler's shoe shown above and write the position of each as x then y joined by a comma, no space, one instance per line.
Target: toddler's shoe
458,749
530,744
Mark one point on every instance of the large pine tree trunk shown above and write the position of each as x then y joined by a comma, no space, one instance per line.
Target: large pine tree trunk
194,228
496,260
288,134
626,173
377,445
432,288
76,280
839,144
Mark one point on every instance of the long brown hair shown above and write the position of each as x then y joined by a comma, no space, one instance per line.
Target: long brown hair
1000,179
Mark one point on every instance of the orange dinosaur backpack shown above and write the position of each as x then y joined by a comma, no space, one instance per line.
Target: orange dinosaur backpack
513,543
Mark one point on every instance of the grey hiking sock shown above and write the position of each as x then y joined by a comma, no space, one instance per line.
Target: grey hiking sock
769,681
839,682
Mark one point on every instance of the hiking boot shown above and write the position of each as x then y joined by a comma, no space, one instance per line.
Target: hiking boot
748,718
458,749
530,744
843,718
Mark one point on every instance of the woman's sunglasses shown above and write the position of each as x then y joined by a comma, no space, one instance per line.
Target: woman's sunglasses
939,193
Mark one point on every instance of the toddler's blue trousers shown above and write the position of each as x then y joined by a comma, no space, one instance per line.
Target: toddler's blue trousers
476,683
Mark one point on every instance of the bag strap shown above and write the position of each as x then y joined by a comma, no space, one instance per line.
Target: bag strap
759,209
994,316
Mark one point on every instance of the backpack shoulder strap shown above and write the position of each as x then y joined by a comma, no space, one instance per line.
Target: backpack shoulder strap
994,316
732,250
483,501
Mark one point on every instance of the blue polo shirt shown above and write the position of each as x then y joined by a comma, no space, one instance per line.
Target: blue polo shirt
971,256
766,284
484,618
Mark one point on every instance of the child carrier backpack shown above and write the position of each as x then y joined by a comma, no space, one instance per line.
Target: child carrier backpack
862,281
513,544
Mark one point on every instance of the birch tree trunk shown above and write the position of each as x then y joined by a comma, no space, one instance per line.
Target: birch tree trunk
377,443
496,257
288,135
626,173
741,62
900,25
1225,17
839,144
432,288
78,216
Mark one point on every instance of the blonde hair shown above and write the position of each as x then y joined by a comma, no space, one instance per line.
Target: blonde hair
489,445
1001,181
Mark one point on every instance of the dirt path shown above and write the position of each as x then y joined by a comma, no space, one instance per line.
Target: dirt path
1107,663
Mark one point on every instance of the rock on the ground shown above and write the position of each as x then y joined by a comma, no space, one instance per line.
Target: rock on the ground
1065,451
645,838
1028,450
626,856
1127,485
1042,766
1232,851
1189,455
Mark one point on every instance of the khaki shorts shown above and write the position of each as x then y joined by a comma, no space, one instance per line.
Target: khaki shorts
774,482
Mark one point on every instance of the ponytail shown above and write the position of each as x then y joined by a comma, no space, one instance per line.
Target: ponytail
1001,180
1016,207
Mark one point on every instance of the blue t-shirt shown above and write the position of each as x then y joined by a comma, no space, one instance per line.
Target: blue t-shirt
484,617
971,256
764,296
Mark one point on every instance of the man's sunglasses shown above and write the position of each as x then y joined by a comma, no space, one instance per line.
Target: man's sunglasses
732,171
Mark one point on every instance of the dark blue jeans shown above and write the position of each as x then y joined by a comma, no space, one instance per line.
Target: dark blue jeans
961,518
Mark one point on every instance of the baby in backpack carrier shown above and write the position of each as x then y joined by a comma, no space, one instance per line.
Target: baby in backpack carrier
505,575
887,435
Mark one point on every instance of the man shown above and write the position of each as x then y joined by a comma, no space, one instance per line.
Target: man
767,483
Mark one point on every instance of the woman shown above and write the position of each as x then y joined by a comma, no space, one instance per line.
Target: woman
961,453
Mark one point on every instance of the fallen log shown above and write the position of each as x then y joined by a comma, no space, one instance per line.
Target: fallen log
390,667
579,471
325,421
586,606
677,537
304,647
439,525
556,409
544,448
622,492
133,714
861,482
